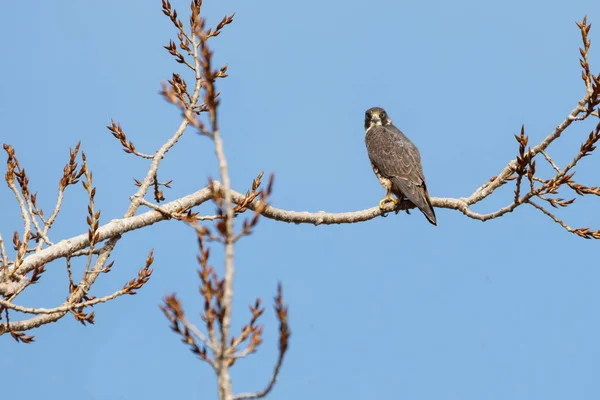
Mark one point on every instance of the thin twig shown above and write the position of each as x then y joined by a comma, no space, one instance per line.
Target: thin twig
268,388
194,329
552,216
3,254
65,306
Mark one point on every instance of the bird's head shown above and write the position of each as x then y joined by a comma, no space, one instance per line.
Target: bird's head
376,116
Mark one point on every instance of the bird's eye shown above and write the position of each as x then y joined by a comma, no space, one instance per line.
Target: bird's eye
382,116
367,116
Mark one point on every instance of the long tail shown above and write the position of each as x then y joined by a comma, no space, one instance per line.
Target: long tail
428,209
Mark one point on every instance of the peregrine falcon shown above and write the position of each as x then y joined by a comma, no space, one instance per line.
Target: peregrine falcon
396,162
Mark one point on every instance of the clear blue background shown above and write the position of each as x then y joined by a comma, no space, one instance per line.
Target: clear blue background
390,308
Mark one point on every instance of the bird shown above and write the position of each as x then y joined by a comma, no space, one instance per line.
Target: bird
396,162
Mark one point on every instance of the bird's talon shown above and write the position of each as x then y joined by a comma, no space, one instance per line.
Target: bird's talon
387,198
382,204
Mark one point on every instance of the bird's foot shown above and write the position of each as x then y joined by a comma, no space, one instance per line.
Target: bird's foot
387,199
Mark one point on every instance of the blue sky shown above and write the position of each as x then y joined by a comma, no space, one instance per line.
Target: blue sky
393,307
